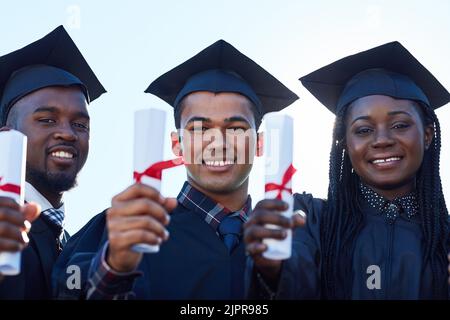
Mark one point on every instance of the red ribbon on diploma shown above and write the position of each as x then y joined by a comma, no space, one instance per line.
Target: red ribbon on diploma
9,187
282,187
155,170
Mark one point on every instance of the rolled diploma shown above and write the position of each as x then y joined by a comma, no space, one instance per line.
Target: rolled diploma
149,133
13,149
278,148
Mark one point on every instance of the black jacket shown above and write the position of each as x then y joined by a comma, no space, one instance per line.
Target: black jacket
193,264
38,258
391,252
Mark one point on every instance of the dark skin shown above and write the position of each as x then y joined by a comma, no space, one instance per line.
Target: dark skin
392,130
140,214
55,120
377,128
56,123
15,224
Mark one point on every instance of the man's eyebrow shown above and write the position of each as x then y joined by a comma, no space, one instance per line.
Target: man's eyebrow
203,119
82,114
237,119
79,114
46,109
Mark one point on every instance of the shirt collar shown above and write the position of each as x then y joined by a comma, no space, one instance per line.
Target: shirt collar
209,210
32,195
405,206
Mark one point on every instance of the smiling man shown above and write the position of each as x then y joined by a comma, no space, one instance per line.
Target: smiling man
219,97
45,88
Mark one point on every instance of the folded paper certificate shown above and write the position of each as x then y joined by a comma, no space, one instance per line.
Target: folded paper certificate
278,150
149,134
13,149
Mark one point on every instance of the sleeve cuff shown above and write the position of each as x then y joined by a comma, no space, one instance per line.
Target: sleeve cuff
106,283
107,268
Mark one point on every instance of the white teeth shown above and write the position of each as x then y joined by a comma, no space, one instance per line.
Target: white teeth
62,154
219,163
386,160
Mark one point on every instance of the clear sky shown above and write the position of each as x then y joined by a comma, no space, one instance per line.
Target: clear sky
129,44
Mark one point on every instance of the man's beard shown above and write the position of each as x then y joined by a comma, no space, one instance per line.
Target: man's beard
51,182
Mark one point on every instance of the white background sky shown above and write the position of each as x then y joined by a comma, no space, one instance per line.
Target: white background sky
129,44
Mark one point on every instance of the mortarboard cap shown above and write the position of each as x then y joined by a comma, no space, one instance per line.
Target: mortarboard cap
222,68
388,69
53,60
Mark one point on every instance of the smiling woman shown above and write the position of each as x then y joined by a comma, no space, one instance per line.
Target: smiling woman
386,139
383,231
390,152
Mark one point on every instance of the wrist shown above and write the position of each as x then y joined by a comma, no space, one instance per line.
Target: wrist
116,263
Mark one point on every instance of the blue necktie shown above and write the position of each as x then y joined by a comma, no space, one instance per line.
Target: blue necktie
230,229
55,218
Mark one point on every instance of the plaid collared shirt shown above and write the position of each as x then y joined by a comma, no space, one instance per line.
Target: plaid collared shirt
212,212
105,283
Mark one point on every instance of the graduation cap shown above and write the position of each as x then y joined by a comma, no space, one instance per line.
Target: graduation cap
222,68
388,69
53,60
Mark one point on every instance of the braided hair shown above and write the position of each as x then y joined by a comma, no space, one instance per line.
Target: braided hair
343,219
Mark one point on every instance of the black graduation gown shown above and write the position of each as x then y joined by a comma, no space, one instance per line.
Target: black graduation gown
193,264
38,258
396,249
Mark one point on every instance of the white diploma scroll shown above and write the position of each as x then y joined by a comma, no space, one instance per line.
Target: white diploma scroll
278,149
13,155
149,133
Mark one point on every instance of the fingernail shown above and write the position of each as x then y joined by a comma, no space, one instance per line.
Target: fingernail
166,233
301,213
27,224
167,218
25,237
